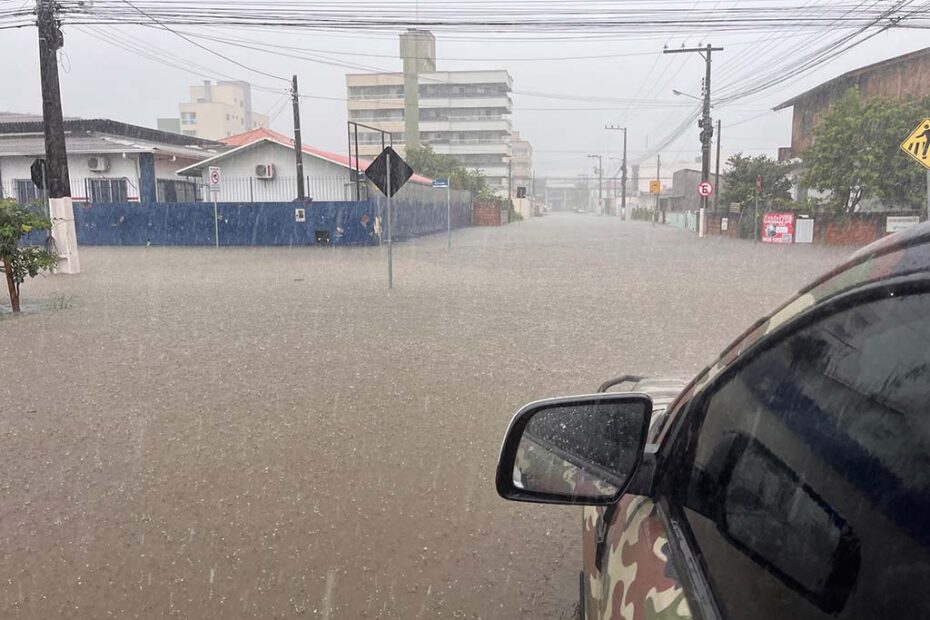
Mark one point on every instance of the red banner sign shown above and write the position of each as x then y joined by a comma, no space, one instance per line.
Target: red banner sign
778,228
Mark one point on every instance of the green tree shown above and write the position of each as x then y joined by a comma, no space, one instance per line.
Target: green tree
855,155
739,180
21,261
424,160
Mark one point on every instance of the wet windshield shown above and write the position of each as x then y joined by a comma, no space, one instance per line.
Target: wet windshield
276,275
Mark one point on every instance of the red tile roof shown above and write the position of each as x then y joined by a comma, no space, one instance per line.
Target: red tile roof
263,133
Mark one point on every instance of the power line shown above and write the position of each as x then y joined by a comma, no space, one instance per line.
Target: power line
205,48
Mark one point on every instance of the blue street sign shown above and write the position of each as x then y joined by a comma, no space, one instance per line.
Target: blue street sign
441,183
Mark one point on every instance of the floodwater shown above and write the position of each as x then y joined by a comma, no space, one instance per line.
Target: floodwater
271,433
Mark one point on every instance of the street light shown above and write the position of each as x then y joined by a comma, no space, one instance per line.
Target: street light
690,96
681,94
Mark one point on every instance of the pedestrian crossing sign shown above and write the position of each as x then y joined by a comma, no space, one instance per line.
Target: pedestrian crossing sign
917,144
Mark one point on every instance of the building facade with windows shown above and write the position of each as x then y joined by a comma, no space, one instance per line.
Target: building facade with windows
216,111
108,161
466,114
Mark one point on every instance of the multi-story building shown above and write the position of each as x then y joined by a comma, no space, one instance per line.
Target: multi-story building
216,111
521,167
461,113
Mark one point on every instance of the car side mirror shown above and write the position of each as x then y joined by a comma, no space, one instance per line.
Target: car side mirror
580,450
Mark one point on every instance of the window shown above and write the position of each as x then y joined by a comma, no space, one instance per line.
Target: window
189,132
26,191
104,191
808,481
170,190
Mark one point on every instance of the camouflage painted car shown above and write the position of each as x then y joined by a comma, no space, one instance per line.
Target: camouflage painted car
789,479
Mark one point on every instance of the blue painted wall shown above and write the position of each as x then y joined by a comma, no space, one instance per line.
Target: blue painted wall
260,224
422,210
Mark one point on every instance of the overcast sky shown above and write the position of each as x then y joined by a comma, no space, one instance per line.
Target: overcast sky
101,80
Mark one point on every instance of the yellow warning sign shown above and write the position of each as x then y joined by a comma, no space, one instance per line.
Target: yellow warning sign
655,187
917,145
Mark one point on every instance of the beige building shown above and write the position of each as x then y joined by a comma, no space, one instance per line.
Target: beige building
461,113
521,163
219,110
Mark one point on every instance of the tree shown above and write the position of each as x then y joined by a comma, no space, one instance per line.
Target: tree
855,155
739,180
427,162
21,261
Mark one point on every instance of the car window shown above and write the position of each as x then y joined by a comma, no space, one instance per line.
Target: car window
807,479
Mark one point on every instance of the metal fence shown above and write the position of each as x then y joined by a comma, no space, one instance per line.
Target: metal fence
116,190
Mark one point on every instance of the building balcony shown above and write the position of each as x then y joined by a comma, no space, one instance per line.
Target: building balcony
485,124
467,102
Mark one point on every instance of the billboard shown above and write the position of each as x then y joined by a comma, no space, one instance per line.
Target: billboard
778,228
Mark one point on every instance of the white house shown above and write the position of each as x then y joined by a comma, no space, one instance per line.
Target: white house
108,161
261,166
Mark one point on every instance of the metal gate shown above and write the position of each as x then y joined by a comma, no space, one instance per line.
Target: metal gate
804,231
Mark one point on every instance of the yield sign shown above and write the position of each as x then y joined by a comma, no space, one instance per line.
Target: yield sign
917,144
400,172
705,189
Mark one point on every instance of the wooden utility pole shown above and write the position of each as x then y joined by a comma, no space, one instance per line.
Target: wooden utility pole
705,123
298,143
655,214
717,172
57,179
623,174
56,154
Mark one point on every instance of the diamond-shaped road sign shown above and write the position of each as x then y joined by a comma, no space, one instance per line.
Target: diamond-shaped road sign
917,144
400,171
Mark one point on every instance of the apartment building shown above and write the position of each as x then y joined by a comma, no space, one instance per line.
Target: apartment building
521,170
216,111
461,113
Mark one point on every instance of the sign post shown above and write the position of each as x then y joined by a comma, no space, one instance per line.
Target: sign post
705,190
215,184
917,145
389,172
447,184
755,210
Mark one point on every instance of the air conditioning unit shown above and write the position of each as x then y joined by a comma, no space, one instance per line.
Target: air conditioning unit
264,171
98,164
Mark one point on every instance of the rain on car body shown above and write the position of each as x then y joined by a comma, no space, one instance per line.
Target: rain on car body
789,479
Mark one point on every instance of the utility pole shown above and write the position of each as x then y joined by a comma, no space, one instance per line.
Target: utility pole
655,214
623,174
706,123
600,181
298,143
57,178
717,172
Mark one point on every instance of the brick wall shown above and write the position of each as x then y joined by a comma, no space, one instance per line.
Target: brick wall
487,215
848,231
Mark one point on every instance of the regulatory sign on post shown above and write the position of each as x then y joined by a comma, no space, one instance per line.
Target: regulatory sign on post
378,172
705,189
655,187
917,143
215,178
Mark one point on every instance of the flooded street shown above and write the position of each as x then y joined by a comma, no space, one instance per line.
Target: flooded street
271,433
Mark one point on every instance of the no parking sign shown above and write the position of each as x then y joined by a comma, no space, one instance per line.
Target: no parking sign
215,178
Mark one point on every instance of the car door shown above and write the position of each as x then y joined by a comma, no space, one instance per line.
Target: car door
796,484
